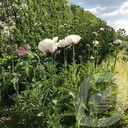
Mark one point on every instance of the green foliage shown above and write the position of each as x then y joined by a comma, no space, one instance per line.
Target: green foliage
44,94
28,22
38,90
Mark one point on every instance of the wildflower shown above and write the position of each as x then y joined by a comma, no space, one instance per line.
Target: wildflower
20,52
101,29
117,42
48,45
26,47
95,42
62,43
55,40
72,39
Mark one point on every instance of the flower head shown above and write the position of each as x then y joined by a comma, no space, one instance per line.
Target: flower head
55,40
95,42
48,45
62,43
72,39
102,29
69,40
20,52
26,47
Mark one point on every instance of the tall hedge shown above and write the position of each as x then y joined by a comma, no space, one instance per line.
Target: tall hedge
35,20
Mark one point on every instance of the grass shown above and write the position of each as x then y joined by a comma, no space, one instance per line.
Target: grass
122,70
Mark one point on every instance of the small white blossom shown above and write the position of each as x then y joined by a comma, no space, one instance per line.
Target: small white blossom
95,42
102,29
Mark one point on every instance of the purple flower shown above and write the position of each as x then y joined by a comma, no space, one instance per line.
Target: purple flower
20,52
26,47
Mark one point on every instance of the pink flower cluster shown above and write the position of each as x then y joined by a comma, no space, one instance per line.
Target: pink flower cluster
21,51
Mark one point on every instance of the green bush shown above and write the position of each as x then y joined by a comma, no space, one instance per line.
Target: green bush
33,21
45,94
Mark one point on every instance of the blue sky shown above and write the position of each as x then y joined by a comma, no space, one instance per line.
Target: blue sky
114,12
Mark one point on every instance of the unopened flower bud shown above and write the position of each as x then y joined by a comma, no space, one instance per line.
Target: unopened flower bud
98,97
54,102
95,42
94,34
92,58
110,44
95,47
71,95
87,45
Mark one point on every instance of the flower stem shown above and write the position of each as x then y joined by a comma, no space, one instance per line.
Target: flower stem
115,60
13,65
108,59
65,58
73,55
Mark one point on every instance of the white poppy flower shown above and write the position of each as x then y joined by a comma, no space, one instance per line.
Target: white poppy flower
55,39
48,45
62,43
95,42
72,39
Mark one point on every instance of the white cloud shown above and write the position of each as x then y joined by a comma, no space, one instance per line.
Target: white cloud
118,24
114,13
80,3
103,3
